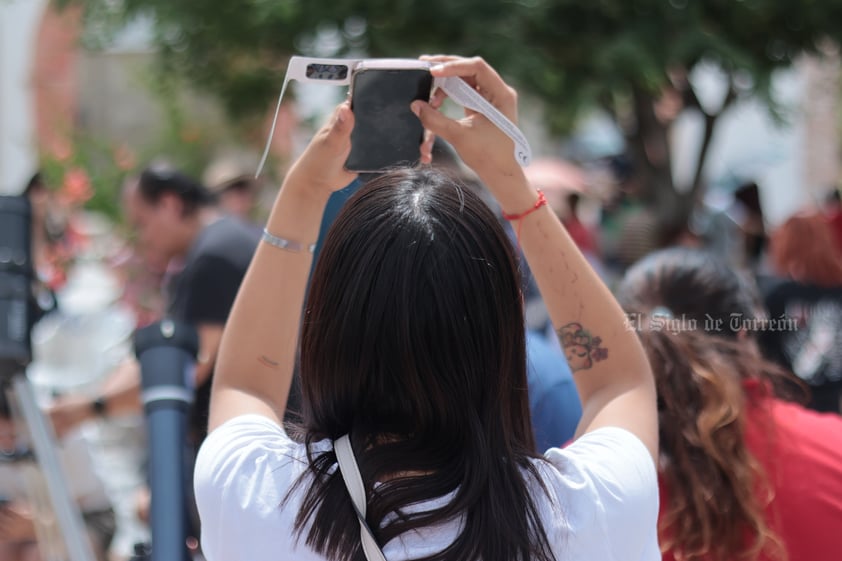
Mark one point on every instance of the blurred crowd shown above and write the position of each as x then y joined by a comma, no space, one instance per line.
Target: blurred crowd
769,299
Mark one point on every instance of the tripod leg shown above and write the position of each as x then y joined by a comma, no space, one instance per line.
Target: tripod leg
70,523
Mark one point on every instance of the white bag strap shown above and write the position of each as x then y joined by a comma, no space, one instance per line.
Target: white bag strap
354,484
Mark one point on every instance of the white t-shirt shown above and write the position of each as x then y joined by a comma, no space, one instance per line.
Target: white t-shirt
602,504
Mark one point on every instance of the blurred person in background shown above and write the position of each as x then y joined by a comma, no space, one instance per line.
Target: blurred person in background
231,179
806,288
731,224
744,473
833,213
628,229
50,251
177,221
582,234
752,226
64,338
143,273
176,218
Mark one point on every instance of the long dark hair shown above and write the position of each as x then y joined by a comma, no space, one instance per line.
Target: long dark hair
413,343
691,308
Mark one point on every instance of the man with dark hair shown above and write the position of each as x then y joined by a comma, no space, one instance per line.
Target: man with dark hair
177,222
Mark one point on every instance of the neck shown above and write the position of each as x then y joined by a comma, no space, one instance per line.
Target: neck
208,216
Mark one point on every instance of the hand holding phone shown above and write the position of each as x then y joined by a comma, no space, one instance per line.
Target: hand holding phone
483,145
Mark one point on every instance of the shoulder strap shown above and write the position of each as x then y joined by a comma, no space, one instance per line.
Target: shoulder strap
354,484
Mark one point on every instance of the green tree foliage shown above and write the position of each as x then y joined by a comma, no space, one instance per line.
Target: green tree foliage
624,56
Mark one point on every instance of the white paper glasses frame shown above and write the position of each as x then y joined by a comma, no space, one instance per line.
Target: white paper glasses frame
340,71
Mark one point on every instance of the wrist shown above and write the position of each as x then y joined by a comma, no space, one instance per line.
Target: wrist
99,407
301,200
539,202
302,192
297,215
313,185
517,202
512,191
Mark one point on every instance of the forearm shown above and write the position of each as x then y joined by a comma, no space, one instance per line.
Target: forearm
210,334
601,350
257,351
121,394
614,379
203,372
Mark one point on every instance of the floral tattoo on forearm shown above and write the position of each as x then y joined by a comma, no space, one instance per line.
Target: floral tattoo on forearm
580,347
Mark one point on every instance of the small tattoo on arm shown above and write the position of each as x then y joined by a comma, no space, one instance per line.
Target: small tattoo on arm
266,361
580,347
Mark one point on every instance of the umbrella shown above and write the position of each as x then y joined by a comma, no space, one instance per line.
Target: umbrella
557,179
556,176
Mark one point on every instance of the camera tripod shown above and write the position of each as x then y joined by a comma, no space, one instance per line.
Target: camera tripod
59,527
58,523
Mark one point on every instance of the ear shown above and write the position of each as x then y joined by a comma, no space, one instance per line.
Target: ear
171,204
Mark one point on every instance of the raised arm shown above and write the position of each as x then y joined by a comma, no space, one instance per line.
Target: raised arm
609,364
256,356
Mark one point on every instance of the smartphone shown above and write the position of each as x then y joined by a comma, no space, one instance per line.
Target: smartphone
386,132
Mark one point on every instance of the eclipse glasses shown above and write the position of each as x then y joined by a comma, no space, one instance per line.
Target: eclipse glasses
340,72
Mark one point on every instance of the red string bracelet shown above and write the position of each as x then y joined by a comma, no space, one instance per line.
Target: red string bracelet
542,200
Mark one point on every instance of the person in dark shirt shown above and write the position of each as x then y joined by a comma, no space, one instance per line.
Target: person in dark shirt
804,303
810,339
177,221
203,292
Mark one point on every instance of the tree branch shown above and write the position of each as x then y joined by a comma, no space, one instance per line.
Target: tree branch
707,136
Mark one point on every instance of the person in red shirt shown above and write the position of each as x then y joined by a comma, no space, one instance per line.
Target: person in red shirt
744,473
582,235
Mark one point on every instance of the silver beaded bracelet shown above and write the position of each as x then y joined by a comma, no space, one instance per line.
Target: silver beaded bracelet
283,243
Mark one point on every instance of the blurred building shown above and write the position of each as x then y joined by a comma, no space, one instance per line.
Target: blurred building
18,26
52,89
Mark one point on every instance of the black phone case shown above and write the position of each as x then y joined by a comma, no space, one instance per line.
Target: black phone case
386,133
